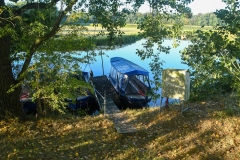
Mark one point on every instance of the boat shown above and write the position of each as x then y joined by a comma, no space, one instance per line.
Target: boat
130,81
82,102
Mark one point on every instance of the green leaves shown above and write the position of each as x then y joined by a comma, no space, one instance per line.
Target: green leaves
212,55
107,14
53,78
154,29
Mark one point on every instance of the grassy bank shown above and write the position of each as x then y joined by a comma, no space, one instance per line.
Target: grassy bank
130,36
208,130
131,29
120,41
194,28
78,44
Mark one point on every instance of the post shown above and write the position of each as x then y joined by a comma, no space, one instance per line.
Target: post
91,76
102,62
160,104
104,103
182,106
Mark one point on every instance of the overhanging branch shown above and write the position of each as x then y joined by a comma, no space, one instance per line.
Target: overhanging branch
40,5
47,36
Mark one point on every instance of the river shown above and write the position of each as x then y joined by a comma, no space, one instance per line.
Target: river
172,60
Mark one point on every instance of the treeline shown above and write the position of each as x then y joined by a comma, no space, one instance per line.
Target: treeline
208,19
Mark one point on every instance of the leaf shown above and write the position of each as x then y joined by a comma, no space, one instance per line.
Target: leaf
76,154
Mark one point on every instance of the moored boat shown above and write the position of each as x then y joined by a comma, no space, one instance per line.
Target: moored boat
130,81
84,101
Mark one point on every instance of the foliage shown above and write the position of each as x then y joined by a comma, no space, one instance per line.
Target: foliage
54,78
109,17
207,19
28,29
156,69
214,56
154,29
119,41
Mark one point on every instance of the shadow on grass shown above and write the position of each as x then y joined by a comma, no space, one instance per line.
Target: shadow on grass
205,131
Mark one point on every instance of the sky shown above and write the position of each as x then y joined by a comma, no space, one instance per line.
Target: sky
206,6
199,6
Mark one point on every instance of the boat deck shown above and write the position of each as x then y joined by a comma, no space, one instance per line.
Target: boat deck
121,122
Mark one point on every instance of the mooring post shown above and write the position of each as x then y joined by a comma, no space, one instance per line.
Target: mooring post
104,103
102,62
160,104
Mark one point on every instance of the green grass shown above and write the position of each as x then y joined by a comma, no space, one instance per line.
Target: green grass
130,29
131,26
126,30
193,28
205,131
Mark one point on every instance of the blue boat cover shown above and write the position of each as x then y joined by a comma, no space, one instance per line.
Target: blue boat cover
127,67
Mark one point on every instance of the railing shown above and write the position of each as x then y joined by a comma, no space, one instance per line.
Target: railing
96,93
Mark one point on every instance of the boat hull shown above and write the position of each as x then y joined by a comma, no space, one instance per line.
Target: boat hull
130,81
133,102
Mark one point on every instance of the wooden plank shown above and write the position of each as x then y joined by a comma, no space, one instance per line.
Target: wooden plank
101,83
121,122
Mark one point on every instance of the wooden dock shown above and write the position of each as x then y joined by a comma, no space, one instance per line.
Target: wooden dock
121,122
101,84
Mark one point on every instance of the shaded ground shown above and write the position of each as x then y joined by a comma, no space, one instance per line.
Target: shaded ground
208,130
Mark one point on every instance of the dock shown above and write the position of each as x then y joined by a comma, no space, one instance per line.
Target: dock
103,86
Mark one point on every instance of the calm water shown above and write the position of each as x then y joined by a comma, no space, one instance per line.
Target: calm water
172,60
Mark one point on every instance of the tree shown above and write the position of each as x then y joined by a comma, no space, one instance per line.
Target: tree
28,26
24,27
214,56
155,30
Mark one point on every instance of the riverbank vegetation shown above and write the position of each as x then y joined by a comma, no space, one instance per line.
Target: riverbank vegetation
214,57
130,34
206,19
130,28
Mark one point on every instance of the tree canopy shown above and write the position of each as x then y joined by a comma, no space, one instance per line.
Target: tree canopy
214,56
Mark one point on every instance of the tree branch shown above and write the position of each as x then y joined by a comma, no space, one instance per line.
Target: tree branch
2,3
40,5
47,36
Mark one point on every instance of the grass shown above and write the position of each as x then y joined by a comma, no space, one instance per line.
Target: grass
205,131
126,30
131,29
194,28
91,30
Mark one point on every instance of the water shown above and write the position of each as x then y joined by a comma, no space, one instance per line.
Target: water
172,60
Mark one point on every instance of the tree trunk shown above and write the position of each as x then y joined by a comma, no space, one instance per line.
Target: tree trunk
9,102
